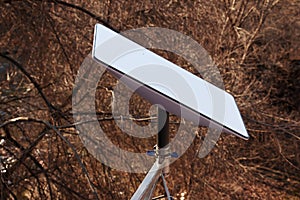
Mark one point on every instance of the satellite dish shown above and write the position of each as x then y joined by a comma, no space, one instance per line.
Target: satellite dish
156,78
159,80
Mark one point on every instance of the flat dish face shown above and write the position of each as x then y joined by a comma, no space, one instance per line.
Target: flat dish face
162,82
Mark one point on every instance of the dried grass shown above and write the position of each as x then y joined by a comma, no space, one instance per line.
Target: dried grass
255,45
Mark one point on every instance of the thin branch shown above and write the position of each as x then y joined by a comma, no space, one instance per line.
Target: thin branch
32,80
54,128
94,16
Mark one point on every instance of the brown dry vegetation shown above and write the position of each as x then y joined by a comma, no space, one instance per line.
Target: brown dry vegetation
42,45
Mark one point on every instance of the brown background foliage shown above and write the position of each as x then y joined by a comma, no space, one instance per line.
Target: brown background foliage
255,45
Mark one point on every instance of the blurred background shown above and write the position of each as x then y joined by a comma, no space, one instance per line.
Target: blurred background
255,45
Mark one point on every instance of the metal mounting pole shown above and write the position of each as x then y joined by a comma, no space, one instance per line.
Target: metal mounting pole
146,188
163,127
163,138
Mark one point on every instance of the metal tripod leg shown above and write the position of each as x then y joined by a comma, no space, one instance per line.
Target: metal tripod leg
146,188
166,188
